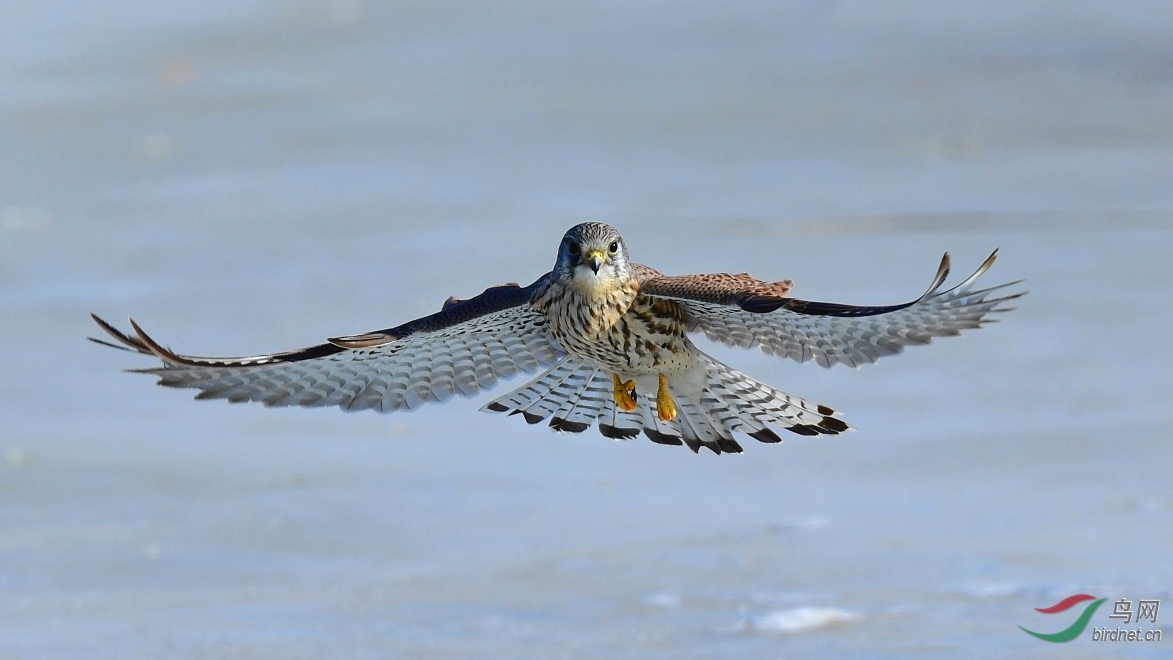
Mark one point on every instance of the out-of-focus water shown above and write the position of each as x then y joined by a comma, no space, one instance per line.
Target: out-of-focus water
251,176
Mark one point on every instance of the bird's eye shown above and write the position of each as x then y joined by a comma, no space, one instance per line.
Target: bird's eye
614,247
572,248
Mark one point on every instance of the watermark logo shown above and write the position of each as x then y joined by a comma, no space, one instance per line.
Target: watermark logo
1146,609
1070,632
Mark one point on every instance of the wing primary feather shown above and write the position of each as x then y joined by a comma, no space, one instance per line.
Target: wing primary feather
979,272
106,343
939,279
765,304
464,349
368,340
128,342
160,352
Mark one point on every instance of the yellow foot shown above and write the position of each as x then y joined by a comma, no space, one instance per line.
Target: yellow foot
665,406
624,393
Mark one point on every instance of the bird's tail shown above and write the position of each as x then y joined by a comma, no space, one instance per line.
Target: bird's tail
750,406
575,395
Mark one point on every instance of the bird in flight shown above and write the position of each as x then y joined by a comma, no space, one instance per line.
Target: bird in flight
611,341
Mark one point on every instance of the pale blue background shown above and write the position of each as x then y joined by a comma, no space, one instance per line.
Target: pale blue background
251,176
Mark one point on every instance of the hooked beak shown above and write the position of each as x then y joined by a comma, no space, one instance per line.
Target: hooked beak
595,260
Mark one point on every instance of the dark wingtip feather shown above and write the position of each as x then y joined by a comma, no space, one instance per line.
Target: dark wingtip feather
128,343
762,304
729,446
617,433
531,418
803,429
942,273
562,425
106,343
765,435
496,407
833,425
661,438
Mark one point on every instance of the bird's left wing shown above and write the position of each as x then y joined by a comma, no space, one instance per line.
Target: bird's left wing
461,349
741,311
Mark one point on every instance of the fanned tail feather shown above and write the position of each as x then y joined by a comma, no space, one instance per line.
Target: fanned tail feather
534,401
755,404
619,424
702,430
660,431
587,394
574,396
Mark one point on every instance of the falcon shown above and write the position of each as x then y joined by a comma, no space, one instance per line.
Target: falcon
611,341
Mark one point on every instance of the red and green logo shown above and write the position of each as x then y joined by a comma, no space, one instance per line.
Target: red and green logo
1070,632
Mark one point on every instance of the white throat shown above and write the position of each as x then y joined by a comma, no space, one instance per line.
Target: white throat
595,286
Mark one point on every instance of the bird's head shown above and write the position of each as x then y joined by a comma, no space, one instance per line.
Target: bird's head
593,257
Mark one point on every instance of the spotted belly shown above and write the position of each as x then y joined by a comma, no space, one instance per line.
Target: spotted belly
648,338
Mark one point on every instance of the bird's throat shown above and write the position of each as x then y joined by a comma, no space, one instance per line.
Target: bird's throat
596,288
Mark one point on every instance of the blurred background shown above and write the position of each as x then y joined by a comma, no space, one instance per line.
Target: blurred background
251,176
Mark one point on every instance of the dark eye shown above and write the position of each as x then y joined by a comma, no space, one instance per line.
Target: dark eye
614,247
572,248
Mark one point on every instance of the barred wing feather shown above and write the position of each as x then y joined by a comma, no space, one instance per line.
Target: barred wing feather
462,349
832,333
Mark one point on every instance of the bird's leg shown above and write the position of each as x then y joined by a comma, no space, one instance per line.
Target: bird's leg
624,392
665,406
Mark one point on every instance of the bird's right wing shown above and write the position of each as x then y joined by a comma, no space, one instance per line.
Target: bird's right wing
461,349
741,311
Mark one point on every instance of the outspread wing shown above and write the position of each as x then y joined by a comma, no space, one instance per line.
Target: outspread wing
740,311
462,349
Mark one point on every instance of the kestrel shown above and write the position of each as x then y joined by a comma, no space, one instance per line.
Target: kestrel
612,339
